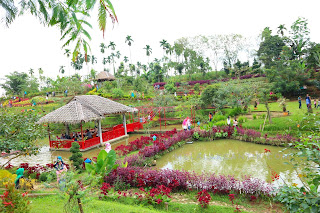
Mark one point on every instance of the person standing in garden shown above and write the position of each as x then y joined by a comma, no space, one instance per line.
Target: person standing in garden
228,121
299,99
60,167
318,103
235,122
308,101
315,103
210,116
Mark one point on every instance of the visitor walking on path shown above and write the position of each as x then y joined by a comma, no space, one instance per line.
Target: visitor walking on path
235,122
299,99
308,101
60,167
228,121
184,124
66,92
210,116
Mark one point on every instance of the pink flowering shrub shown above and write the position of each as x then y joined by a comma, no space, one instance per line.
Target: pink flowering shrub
178,180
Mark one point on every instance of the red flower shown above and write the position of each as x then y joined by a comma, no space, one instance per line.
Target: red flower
266,150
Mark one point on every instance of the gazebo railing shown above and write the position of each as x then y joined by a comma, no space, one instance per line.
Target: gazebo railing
117,131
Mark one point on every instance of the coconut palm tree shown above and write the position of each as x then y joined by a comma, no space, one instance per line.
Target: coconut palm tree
163,44
281,29
112,45
148,51
125,59
118,54
61,70
102,47
31,72
129,41
67,53
112,56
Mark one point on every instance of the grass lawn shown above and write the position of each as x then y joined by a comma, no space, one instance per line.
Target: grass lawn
55,204
283,123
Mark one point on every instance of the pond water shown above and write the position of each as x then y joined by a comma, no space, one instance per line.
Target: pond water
231,157
46,156
169,127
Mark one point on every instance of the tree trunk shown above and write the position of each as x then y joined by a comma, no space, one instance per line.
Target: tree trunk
80,205
67,129
268,110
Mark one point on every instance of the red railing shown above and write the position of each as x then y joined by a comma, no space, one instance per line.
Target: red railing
116,132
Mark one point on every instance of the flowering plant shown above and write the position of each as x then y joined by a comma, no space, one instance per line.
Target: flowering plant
13,200
204,198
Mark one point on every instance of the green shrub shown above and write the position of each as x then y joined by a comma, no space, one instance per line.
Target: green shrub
43,177
242,119
236,111
76,156
218,117
263,116
221,123
254,116
117,92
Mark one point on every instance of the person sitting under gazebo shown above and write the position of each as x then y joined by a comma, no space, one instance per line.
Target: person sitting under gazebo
88,134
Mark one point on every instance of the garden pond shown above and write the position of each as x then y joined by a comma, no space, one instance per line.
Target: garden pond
232,157
46,156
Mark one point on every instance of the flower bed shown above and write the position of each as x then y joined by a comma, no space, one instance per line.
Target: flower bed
179,181
191,83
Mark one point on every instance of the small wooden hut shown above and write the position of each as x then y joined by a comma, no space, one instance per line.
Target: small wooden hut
87,108
104,76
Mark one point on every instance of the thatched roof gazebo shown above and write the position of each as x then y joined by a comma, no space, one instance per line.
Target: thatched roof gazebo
104,76
87,108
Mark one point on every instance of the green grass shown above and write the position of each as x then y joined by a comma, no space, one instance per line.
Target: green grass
284,123
55,204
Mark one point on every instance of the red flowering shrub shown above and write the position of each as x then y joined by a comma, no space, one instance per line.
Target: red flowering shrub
157,195
105,188
204,198
14,201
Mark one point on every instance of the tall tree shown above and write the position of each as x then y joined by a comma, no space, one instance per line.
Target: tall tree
102,47
163,44
148,51
61,70
281,29
129,40
15,83
31,72
112,45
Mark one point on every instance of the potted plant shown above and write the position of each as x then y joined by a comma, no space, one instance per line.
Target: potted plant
282,103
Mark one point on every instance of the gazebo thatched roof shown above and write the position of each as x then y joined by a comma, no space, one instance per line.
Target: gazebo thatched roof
85,108
105,76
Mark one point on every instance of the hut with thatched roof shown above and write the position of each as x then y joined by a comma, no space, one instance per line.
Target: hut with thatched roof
87,108
104,76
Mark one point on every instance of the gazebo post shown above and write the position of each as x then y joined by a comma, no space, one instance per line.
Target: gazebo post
124,124
49,133
100,133
81,131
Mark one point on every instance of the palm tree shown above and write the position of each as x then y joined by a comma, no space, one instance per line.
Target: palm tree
112,56
102,46
281,29
93,59
61,70
67,53
163,44
118,54
125,59
112,45
31,72
148,51
129,40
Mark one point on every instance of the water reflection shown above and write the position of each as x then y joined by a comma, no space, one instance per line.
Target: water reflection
46,156
231,157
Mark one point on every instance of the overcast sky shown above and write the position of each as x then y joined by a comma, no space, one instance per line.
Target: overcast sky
27,44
